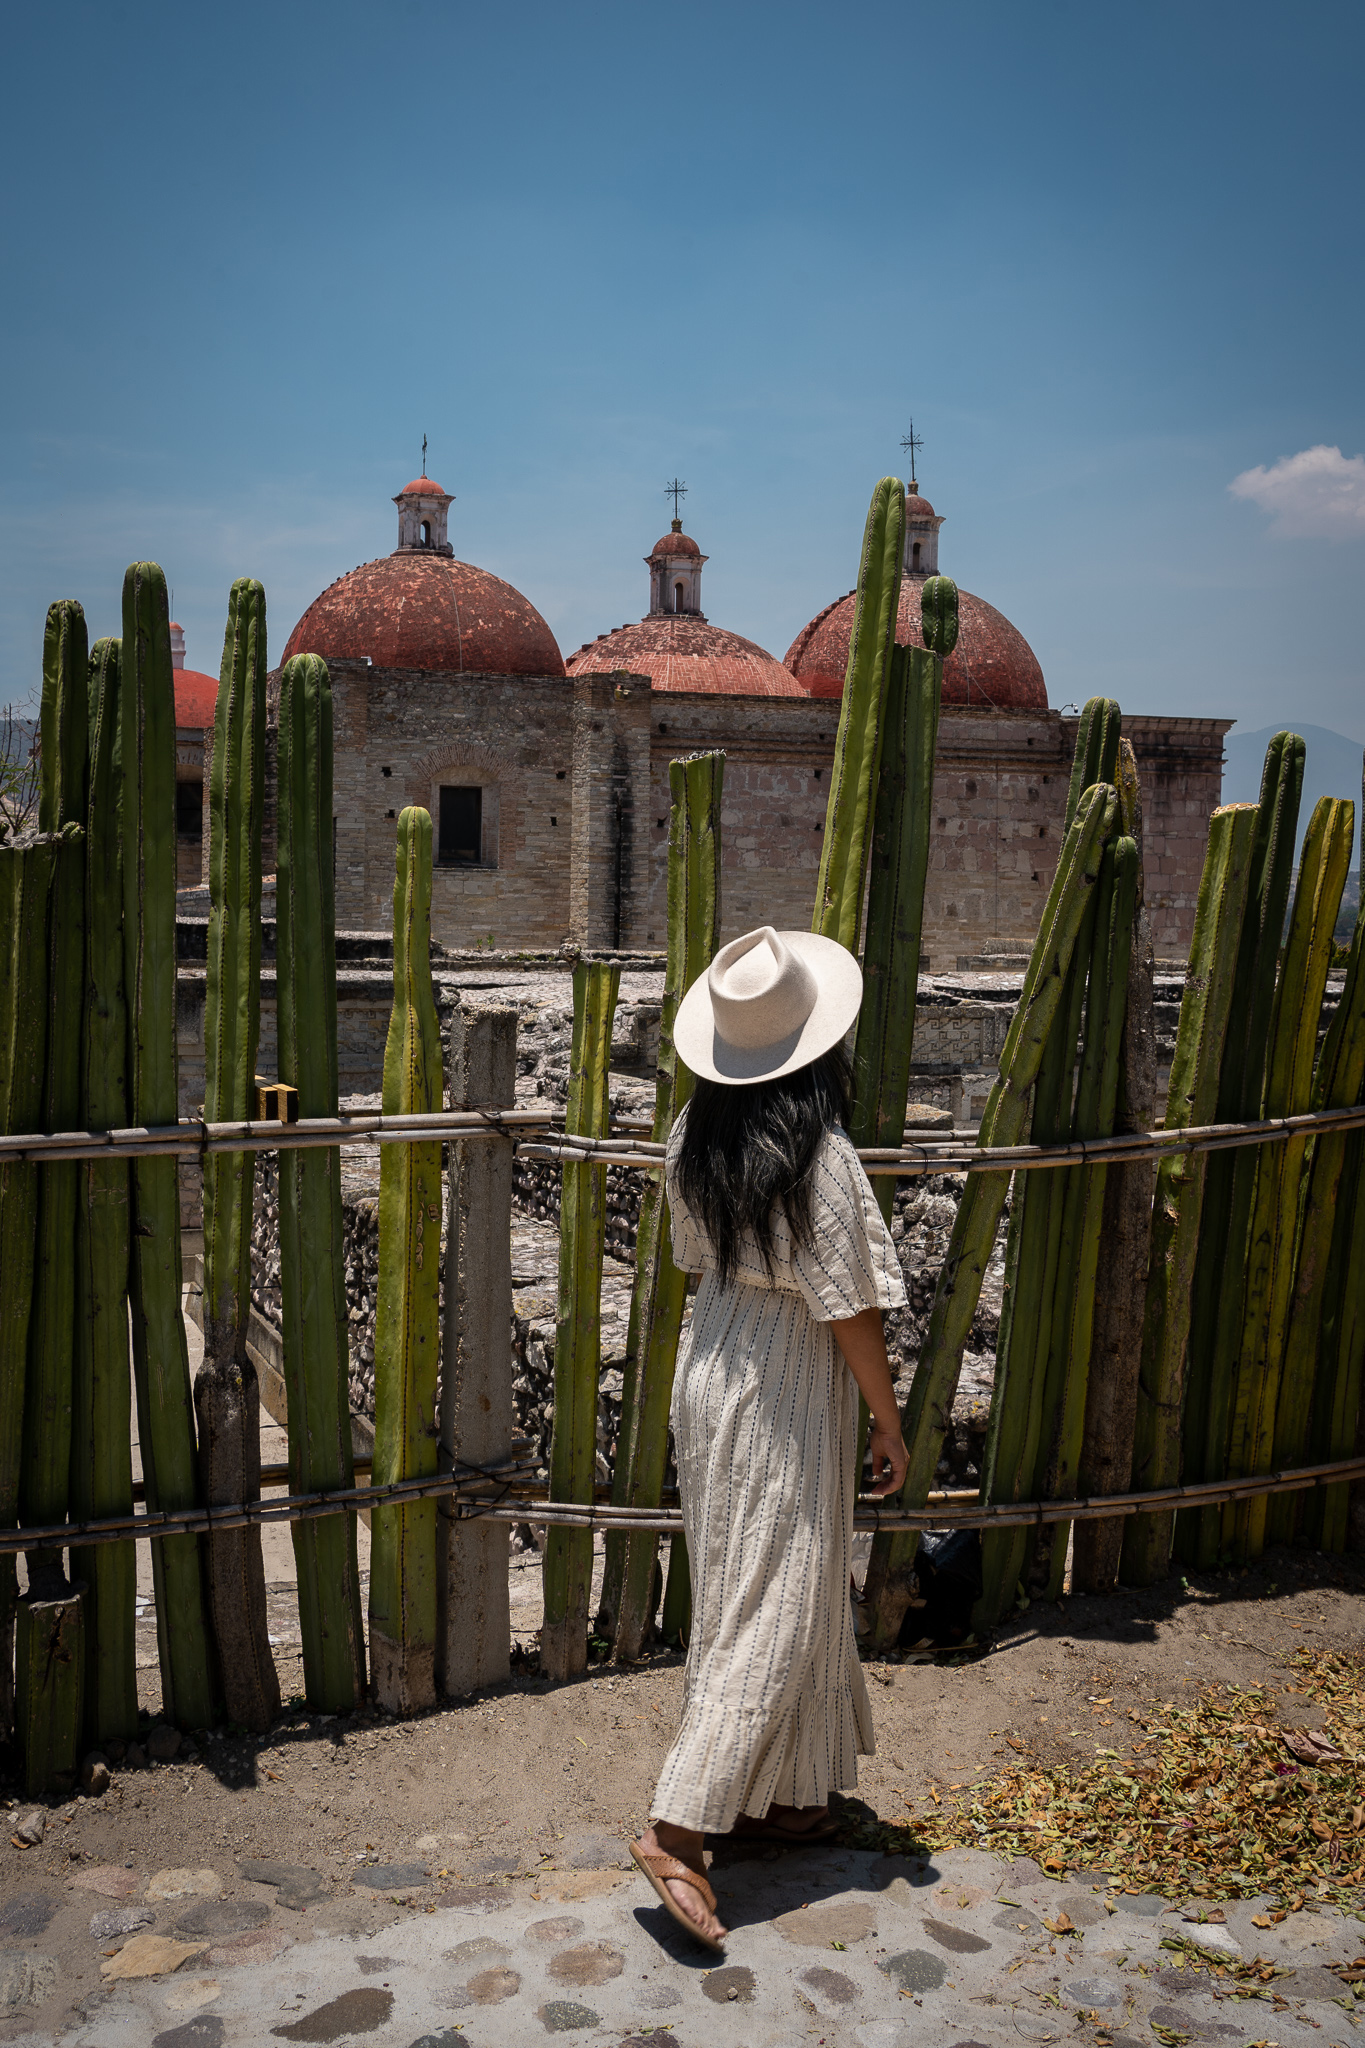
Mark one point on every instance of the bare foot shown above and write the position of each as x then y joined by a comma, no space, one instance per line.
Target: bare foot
661,1838
797,1818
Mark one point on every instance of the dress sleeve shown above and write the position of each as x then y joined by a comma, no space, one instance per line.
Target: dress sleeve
686,1236
851,1263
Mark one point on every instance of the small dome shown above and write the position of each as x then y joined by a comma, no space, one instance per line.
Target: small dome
423,487
992,665
674,544
424,610
918,508
685,653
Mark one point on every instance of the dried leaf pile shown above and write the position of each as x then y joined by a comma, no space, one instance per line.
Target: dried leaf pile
1217,1801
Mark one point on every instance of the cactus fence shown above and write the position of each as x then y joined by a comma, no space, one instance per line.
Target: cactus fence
1252,1326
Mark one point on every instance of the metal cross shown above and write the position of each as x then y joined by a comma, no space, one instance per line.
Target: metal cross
675,490
913,443
424,454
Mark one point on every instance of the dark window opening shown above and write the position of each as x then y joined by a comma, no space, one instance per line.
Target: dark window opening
460,842
189,809
914,555
426,533
678,604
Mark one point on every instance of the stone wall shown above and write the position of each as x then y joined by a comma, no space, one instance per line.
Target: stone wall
574,775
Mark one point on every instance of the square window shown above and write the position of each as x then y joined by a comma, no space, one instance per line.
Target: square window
460,828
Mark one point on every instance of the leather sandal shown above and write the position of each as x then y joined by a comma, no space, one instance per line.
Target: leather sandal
657,1868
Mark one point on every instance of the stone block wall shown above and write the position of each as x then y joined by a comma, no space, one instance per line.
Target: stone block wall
574,774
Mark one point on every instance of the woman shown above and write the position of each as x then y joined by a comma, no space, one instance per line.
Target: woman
770,1205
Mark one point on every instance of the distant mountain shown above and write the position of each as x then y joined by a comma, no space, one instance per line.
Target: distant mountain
1332,767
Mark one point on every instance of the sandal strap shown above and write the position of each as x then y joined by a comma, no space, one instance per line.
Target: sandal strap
670,1867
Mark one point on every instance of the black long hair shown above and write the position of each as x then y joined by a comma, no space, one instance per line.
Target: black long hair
747,1148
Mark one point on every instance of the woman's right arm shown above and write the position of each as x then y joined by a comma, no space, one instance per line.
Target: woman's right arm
862,1341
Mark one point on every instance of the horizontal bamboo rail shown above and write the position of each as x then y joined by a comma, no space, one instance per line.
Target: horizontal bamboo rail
192,1138
959,1157
465,1495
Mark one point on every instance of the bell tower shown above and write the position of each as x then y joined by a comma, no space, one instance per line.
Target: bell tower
422,509
921,535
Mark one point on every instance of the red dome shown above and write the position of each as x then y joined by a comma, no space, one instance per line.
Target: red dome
196,698
919,508
992,665
415,610
674,544
422,487
682,653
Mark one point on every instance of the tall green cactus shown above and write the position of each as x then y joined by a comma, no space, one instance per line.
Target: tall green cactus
1341,1354
1230,1178
161,1368
895,902
1312,1364
578,1329
227,1398
1323,865
61,811
891,1569
1205,1011
1034,1245
857,748
1078,1265
25,883
656,1307
312,1257
407,1323
101,1451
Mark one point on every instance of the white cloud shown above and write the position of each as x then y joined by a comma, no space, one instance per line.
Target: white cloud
1318,493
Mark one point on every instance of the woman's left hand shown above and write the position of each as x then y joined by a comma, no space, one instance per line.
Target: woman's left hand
886,1446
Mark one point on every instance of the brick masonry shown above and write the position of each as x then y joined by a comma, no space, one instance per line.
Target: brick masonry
574,775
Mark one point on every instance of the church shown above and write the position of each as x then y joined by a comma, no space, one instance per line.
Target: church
547,776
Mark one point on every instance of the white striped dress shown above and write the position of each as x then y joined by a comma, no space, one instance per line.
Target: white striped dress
775,1707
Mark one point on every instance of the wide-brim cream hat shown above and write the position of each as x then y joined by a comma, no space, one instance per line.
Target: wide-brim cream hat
769,1003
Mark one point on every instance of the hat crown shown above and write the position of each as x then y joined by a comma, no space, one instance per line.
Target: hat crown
761,991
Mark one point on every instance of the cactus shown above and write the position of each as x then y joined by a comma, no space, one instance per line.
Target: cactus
1311,1362
312,1260
101,1451
1341,1351
895,902
1230,1178
25,882
1035,1242
660,1289
939,616
407,1323
1275,1209
61,812
227,1397
857,748
890,1572
161,1368
1205,1011
1078,1265
49,1650
582,1215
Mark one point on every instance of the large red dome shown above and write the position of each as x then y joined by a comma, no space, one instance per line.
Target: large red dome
992,666
682,652
425,610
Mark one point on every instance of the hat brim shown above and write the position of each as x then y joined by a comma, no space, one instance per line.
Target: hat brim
839,984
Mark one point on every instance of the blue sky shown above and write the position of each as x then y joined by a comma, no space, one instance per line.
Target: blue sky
1109,259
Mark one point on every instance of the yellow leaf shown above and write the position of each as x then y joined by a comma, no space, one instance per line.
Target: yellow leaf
579,1738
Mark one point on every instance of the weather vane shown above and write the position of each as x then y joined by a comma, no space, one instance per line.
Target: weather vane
675,491
912,442
424,454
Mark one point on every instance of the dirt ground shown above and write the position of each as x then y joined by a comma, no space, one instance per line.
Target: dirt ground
484,1789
